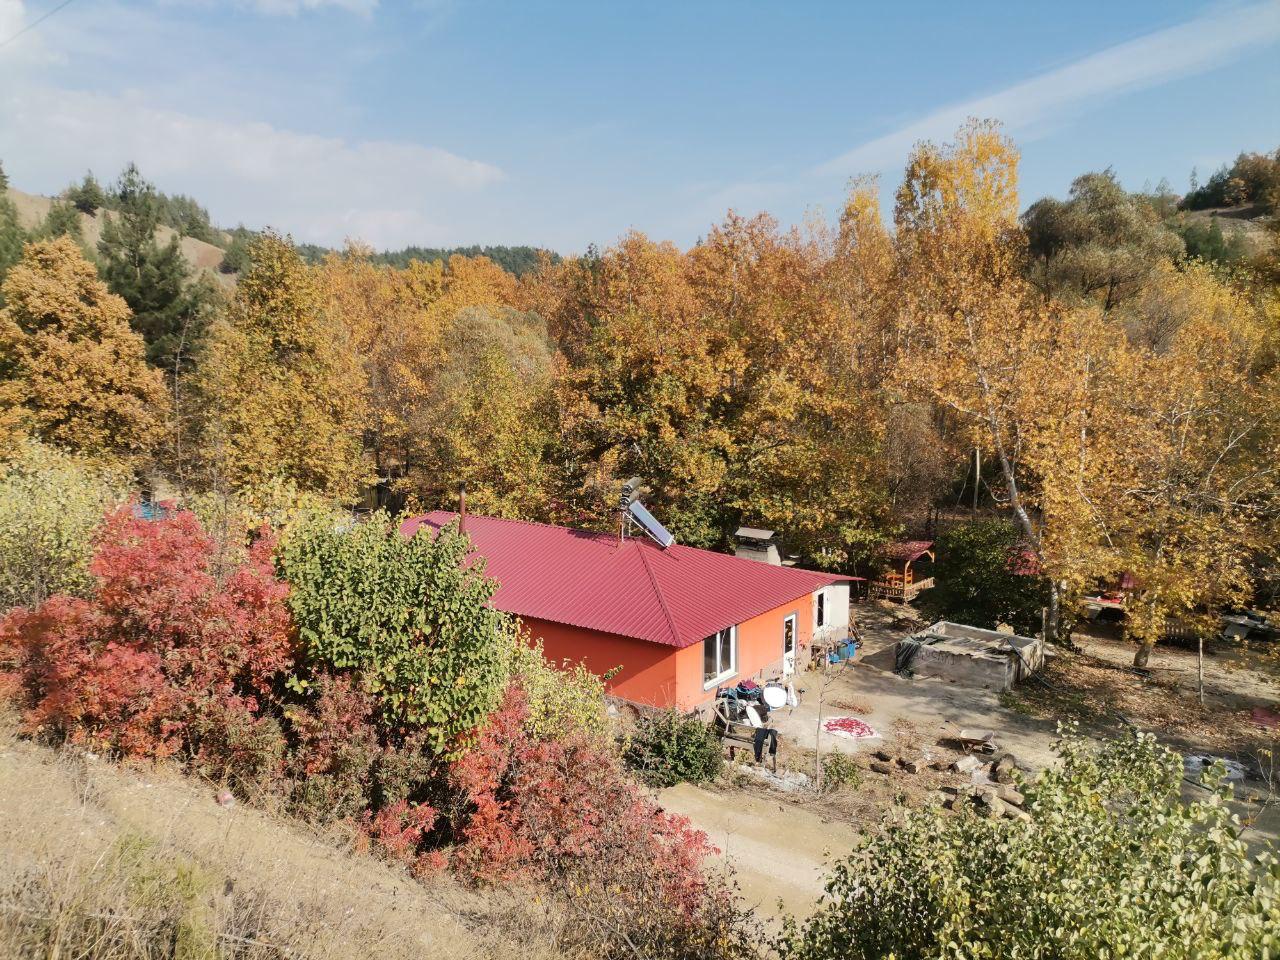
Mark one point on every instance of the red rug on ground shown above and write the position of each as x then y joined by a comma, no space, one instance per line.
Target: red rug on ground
850,727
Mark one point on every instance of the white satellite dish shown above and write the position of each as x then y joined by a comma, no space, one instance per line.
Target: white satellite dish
650,524
775,697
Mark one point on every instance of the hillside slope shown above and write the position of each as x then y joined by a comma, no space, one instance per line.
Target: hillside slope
203,257
86,847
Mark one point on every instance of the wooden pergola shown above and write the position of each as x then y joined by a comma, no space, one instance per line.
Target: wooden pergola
899,581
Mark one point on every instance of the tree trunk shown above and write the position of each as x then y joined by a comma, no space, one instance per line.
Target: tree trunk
1053,615
1200,667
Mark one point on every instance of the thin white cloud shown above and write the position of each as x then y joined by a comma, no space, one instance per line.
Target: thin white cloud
1192,47
322,189
285,8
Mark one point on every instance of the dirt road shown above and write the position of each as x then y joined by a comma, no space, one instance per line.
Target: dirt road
777,850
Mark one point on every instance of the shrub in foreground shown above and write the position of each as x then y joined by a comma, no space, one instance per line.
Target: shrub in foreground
161,657
51,505
1111,864
670,747
563,812
409,615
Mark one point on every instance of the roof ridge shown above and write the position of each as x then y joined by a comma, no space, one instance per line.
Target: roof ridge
657,591
527,523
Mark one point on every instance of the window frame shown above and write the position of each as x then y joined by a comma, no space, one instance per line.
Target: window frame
820,613
709,683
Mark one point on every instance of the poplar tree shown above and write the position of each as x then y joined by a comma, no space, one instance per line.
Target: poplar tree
283,392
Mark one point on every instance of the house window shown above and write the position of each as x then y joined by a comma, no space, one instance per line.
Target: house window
821,618
719,656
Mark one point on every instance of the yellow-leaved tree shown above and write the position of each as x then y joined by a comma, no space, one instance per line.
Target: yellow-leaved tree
72,372
283,391
1202,454
1026,380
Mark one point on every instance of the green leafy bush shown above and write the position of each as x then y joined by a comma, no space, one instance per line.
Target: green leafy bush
670,747
840,770
562,701
51,504
1110,863
982,578
409,614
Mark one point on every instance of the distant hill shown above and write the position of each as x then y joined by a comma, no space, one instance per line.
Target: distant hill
204,257
516,260
208,258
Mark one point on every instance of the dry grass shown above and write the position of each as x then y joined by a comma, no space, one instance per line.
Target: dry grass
1097,693
104,864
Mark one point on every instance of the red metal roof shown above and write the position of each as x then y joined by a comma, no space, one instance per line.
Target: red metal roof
906,551
677,596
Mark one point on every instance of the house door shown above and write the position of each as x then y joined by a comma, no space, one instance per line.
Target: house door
789,646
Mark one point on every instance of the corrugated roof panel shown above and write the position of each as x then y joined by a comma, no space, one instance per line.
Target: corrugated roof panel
632,588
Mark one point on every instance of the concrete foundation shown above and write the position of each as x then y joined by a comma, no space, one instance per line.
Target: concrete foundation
973,656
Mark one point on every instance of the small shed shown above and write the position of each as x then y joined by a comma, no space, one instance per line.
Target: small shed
908,570
970,655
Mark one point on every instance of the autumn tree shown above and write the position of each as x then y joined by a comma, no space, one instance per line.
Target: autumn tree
721,377
486,418
1021,377
283,393
397,338
71,369
1202,445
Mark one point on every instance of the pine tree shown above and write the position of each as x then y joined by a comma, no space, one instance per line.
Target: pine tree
168,311
283,392
62,220
71,370
12,237
4,179
88,197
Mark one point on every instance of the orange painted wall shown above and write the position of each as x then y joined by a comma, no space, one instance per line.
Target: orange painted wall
660,676
648,674
759,652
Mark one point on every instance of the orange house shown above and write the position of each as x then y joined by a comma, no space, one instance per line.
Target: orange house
671,623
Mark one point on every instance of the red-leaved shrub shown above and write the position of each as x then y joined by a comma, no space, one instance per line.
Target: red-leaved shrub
565,813
540,807
163,656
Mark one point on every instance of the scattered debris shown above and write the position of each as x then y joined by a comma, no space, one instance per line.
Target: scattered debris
788,781
225,799
880,766
966,764
1002,769
1195,765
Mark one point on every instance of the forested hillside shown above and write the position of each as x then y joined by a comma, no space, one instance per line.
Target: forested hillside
203,464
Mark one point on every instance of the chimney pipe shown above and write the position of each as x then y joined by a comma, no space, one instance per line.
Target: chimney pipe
462,508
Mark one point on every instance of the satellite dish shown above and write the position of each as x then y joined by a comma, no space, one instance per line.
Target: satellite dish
650,524
775,697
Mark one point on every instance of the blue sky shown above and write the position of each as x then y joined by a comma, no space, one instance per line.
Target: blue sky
452,122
